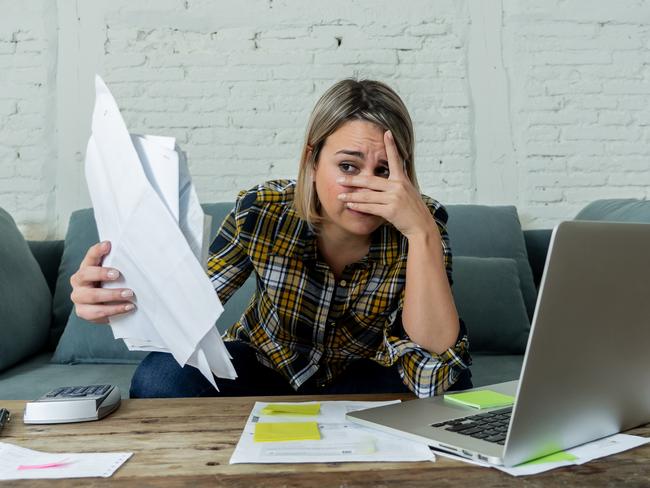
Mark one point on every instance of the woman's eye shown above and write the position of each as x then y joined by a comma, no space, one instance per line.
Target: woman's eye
383,172
347,167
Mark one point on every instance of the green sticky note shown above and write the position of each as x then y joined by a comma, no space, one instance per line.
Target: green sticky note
552,458
286,431
481,399
291,409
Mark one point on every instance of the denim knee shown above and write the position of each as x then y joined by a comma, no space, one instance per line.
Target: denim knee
160,376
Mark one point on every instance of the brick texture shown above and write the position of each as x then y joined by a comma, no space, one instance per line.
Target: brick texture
235,85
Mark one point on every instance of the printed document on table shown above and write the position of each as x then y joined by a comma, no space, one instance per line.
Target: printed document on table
19,463
146,205
571,457
341,440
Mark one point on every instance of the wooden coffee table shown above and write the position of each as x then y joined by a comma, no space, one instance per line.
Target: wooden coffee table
188,442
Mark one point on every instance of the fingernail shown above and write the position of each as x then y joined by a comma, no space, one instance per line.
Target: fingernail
126,293
112,274
105,245
341,196
129,307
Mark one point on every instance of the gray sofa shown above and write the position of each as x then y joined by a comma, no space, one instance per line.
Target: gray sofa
43,344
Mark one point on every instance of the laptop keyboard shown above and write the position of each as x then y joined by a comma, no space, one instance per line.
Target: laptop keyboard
490,426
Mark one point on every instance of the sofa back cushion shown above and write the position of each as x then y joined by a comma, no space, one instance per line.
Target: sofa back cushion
492,289
488,297
25,299
85,342
617,210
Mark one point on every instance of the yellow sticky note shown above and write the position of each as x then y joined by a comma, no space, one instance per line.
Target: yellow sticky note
481,399
552,458
286,431
291,409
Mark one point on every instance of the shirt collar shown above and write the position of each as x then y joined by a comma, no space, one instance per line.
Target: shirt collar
294,237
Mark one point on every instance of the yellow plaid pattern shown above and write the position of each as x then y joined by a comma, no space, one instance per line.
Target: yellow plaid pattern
304,323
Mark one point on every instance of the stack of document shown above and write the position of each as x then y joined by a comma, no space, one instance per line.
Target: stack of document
146,205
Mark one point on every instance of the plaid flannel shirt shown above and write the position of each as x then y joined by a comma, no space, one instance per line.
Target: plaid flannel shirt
301,321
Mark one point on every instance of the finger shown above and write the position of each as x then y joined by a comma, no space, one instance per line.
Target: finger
96,254
395,163
101,295
101,312
378,197
371,182
93,274
369,208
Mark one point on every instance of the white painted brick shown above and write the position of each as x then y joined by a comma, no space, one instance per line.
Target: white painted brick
564,87
632,102
182,119
145,74
572,57
630,179
594,101
376,56
614,117
428,29
562,117
613,133
565,148
625,148
236,85
544,164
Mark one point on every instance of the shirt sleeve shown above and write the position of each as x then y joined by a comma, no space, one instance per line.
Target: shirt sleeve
427,374
229,263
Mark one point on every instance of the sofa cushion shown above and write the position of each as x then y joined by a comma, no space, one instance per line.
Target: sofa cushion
488,295
85,342
492,231
617,210
26,303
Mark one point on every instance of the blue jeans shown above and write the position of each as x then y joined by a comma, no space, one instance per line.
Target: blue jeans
160,376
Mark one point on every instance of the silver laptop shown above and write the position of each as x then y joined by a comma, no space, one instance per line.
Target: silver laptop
586,371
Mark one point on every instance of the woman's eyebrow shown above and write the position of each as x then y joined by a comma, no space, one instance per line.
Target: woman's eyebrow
357,154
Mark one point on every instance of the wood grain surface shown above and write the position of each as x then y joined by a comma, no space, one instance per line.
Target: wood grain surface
188,442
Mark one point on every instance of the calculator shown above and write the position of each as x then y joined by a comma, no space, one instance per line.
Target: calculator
73,404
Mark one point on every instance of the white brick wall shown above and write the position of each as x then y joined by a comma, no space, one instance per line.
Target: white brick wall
541,104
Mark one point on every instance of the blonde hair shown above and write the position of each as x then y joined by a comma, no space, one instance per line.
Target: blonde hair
346,100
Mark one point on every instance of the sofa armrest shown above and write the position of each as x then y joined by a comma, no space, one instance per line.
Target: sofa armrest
537,241
48,256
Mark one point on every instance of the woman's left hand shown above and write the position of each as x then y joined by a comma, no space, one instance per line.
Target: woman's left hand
394,198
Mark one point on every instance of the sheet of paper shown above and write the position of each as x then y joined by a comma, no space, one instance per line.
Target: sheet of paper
341,441
19,463
571,457
146,205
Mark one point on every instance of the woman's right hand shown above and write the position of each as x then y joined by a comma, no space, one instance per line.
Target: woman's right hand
92,302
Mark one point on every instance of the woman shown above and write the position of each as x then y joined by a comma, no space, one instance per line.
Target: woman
352,264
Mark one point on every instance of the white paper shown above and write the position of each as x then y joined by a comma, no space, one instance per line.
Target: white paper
146,205
584,453
19,463
341,441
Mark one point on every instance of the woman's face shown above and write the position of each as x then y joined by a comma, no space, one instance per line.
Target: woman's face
355,148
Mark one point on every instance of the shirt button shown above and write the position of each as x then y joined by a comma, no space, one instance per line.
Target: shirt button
343,283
